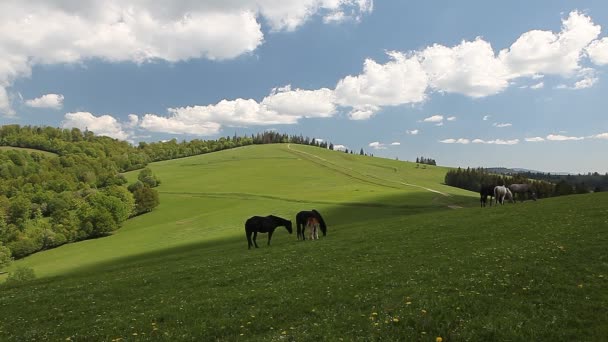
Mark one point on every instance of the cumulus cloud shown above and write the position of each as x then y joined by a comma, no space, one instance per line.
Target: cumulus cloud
451,118
53,101
399,81
434,118
502,125
396,143
496,142
282,106
486,117
538,85
546,52
469,68
535,139
586,82
412,132
376,145
339,147
455,141
598,51
559,137
101,125
35,32
601,136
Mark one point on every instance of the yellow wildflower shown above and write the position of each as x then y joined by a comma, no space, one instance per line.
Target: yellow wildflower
439,339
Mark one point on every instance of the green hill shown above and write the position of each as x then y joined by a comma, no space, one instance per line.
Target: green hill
397,263
30,150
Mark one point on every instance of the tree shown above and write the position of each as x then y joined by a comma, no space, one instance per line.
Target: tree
146,199
6,256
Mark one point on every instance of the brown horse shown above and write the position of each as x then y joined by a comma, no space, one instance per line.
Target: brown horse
313,224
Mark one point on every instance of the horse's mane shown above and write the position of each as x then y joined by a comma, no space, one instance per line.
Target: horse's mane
321,221
276,218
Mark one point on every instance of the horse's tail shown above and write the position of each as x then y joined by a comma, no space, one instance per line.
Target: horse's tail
321,222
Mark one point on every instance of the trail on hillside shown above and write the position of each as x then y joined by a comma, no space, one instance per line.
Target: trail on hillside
362,174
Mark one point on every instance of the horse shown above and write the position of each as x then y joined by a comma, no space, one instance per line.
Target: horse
501,192
484,192
313,224
267,224
523,189
302,219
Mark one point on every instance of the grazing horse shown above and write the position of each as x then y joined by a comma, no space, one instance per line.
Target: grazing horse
484,192
501,192
522,190
302,219
313,224
267,224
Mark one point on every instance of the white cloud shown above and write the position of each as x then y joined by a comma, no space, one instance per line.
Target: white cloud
486,117
434,118
412,132
282,106
455,141
396,143
339,147
535,139
598,51
101,125
38,32
559,137
545,52
501,125
133,121
399,81
586,82
439,124
5,103
496,142
451,118
363,112
469,68
53,101
377,145
601,136
538,85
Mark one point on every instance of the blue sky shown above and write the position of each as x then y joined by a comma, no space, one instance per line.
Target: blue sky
477,83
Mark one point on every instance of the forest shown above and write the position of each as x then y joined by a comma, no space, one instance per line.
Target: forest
546,185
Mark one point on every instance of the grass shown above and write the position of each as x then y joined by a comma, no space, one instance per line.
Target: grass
397,264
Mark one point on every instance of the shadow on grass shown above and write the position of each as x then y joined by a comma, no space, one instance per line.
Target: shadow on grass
339,218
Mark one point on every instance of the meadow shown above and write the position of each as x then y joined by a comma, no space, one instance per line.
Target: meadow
398,262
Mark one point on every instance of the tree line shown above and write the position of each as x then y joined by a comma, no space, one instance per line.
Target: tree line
473,178
427,161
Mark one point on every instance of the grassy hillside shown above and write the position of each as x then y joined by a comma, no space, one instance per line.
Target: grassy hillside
397,263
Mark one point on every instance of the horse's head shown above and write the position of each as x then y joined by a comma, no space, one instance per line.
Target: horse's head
288,226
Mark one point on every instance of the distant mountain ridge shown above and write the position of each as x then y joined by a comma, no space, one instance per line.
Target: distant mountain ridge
506,171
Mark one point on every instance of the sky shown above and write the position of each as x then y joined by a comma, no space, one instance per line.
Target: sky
470,83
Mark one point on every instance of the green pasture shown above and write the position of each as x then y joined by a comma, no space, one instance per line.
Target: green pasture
397,263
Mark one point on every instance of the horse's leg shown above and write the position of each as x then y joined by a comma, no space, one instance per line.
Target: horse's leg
270,236
299,230
248,234
255,236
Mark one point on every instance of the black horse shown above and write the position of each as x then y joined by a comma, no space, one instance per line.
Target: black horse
302,218
261,224
485,191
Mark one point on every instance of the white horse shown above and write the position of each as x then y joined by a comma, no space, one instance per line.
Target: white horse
501,192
